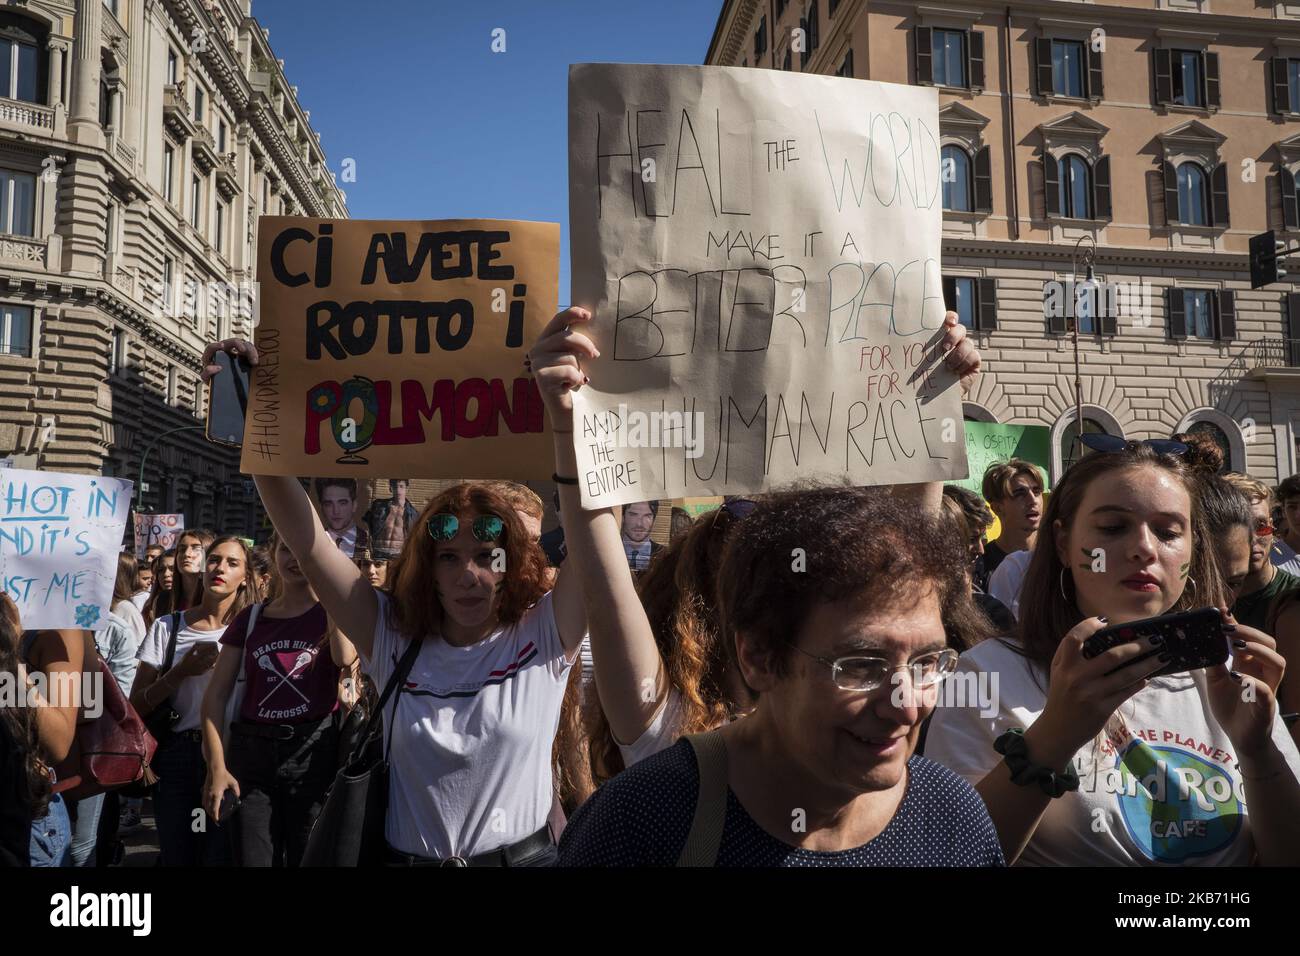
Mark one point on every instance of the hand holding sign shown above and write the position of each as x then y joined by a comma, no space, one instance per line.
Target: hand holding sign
556,361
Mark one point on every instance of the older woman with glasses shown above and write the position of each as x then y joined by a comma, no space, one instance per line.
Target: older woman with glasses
843,658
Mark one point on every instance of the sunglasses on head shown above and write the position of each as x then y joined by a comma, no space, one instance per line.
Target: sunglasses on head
739,507
1113,443
445,527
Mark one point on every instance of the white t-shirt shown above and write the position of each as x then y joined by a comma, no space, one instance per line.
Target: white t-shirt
470,766
140,599
128,612
1007,578
660,734
1160,787
188,699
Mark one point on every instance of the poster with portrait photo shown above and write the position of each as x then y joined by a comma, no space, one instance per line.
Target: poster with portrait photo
341,503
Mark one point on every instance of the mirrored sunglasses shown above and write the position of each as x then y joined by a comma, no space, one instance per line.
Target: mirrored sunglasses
444,527
1113,443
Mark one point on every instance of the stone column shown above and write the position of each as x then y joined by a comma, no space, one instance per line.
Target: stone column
83,122
57,48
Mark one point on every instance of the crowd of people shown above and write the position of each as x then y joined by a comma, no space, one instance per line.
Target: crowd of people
772,687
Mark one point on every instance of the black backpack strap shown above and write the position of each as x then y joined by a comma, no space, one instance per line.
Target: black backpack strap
171,643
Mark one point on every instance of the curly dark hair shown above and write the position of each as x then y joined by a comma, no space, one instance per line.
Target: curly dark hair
1203,455
810,546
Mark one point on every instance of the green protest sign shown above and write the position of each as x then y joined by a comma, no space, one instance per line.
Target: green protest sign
989,442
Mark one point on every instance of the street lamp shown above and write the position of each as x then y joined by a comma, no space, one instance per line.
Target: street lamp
139,485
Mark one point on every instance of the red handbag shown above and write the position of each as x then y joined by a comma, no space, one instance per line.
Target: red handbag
111,751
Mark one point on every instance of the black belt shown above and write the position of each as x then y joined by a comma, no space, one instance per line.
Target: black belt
280,731
502,856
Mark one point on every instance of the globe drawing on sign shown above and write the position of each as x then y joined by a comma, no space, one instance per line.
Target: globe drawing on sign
352,431
1175,804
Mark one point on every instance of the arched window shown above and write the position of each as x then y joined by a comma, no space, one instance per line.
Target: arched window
1072,450
956,179
1074,182
22,59
1192,203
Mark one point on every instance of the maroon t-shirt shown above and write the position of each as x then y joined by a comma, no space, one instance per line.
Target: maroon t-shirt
290,676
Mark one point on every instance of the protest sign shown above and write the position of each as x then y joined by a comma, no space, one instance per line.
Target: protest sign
398,348
989,442
60,536
162,530
760,250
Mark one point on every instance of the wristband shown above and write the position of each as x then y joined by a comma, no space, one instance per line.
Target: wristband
561,480
1025,772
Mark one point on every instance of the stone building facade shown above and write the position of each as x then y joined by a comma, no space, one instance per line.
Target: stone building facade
139,142
1167,132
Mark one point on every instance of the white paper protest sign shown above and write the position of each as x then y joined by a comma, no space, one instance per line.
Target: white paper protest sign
151,529
60,535
760,250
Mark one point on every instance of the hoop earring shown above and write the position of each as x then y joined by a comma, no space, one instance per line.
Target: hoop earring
1061,581
1191,582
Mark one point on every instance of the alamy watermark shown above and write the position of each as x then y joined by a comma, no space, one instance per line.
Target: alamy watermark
61,689
638,429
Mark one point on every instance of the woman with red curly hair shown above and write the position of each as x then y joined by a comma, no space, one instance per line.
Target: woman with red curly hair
469,611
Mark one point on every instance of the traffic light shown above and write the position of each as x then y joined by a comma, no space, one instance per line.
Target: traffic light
1266,253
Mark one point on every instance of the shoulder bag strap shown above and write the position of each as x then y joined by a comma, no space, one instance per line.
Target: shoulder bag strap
396,683
171,643
705,837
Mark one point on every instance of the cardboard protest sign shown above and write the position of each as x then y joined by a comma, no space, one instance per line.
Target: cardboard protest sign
60,536
161,530
398,348
989,442
761,253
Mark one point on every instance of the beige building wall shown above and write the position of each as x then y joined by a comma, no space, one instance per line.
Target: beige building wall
1144,380
125,275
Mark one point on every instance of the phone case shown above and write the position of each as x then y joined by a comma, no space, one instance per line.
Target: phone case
1195,639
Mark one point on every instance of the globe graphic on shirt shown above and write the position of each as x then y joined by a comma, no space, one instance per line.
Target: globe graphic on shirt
1175,804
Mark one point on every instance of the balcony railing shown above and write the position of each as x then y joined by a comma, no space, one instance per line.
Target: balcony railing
1252,361
204,150
26,115
23,249
176,111
228,176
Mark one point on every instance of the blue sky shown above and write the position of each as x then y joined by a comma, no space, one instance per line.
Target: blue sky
440,126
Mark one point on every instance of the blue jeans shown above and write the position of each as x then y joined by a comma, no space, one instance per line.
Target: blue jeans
85,828
185,838
52,835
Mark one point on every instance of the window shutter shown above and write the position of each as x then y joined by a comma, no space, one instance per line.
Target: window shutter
1281,84
1219,191
1043,51
1164,77
1095,87
987,294
1064,307
1177,316
983,181
1211,63
1171,194
1293,328
1051,186
1290,214
975,59
1108,322
924,55
1225,307
1101,188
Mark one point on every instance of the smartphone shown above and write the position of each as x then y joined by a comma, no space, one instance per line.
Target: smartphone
1196,639
228,401
229,804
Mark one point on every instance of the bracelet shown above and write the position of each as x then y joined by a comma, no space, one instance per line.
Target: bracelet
561,480
1025,772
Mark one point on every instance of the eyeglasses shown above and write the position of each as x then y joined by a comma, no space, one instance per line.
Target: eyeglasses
1112,443
445,527
858,673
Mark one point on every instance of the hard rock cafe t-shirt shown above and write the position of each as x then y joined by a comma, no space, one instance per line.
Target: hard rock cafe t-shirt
1159,787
